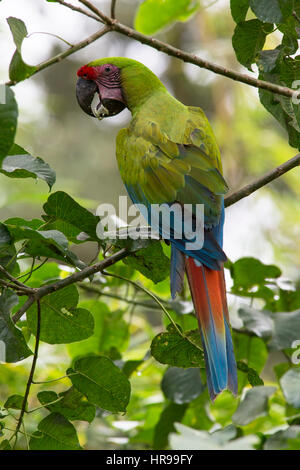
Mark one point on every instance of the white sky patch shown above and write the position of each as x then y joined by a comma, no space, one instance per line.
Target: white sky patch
250,238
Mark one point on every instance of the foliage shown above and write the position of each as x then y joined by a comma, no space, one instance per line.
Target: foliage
117,357
280,65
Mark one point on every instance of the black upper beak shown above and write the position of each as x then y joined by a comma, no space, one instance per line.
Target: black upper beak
85,91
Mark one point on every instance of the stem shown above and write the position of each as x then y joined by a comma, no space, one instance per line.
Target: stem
138,286
78,9
33,366
113,9
96,290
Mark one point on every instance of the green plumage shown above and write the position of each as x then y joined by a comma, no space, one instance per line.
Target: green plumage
168,151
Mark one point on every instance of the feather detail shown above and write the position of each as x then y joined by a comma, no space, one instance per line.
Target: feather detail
208,293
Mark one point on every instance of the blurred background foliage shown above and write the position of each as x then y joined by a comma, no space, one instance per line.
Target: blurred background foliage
265,225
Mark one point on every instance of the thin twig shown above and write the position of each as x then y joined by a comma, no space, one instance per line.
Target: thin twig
78,9
296,16
33,270
16,317
14,280
33,365
113,9
263,180
96,290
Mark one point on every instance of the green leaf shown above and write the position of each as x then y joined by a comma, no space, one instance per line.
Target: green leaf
61,321
5,445
18,30
8,122
173,349
71,404
286,329
151,262
110,331
252,351
282,108
249,272
290,384
102,383
173,413
267,60
181,385
259,322
239,9
20,164
192,439
55,432
288,301
153,15
13,347
18,69
7,250
68,216
48,243
279,440
248,39
272,11
15,402
254,405
252,376
131,366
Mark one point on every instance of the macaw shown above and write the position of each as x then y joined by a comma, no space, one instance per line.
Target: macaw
168,154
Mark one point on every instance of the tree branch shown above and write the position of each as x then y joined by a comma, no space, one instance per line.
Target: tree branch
263,180
78,276
187,57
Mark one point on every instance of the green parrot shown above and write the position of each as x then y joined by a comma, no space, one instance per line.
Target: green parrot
168,155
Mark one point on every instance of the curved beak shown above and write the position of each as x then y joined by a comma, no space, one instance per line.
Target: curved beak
85,92
106,107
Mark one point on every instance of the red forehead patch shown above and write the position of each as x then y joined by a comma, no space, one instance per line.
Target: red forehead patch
87,72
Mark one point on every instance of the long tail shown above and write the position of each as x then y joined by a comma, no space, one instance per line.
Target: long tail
209,297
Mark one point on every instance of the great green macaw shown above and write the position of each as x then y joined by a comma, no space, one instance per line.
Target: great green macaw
168,154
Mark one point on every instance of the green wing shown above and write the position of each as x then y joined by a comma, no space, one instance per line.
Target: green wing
164,166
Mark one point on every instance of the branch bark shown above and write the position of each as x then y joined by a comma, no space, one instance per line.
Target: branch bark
263,180
78,276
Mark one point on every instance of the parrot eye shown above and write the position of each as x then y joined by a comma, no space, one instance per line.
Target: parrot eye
85,75
107,68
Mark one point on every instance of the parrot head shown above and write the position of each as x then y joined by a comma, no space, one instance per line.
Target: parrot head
106,86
